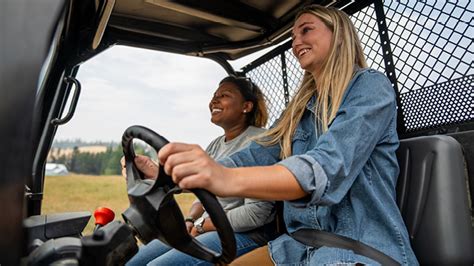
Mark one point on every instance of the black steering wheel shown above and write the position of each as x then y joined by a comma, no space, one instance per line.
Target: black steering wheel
154,213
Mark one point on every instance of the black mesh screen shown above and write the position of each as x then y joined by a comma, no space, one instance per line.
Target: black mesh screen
446,103
432,51
271,85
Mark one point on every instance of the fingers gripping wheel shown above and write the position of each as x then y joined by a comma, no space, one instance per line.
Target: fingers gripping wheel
153,212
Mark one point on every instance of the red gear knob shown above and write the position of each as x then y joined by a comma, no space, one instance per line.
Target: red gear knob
103,216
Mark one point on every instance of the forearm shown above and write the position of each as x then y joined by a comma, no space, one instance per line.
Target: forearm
196,210
274,182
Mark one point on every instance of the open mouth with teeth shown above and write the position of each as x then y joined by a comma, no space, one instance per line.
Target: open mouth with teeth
215,111
303,52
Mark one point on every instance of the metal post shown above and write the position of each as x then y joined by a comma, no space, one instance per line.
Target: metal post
284,75
388,60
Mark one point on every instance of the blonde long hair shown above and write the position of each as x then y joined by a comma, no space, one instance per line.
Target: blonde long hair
336,73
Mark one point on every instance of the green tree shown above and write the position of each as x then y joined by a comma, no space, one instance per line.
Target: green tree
73,162
112,157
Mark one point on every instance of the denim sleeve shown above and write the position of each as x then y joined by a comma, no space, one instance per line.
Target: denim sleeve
253,155
252,214
328,170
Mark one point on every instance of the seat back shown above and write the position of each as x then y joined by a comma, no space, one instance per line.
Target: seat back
433,199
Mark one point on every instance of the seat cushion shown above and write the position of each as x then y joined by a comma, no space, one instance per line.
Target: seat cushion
259,256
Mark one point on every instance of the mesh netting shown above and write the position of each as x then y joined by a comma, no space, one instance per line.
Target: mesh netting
446,103
432,51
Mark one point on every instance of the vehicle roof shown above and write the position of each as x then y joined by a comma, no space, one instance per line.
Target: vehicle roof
221,29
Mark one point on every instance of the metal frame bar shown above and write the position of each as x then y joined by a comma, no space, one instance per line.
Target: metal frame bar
388,60
284,72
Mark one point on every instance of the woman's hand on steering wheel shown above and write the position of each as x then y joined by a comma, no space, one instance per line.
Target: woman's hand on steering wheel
144,163
191,167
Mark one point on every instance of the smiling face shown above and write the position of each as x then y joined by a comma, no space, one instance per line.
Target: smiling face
228,107
311,42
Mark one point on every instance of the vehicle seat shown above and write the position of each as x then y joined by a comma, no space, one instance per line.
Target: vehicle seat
432,195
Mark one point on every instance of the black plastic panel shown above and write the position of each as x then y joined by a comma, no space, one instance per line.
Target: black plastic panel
25,31
466,139
45,227
433,199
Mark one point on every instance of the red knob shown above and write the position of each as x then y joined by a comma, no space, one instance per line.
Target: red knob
103,216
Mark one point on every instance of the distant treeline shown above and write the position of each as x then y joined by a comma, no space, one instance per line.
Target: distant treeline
96,163
71,143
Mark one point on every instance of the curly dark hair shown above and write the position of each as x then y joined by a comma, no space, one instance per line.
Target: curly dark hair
258,116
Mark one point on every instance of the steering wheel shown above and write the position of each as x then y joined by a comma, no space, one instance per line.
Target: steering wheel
154,213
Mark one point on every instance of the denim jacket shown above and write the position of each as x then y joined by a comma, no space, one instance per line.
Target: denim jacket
350,174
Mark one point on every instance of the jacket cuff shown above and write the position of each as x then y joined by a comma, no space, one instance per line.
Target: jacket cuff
309,174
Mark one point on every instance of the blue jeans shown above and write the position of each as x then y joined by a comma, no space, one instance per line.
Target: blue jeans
157,253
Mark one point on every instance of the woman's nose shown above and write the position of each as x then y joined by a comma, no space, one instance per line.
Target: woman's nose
295,43
216,98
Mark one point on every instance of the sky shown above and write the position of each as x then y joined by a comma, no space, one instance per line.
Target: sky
165,92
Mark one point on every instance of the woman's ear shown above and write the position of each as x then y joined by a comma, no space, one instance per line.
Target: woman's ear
248,106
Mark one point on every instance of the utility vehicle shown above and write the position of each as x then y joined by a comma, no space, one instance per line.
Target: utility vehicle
424,47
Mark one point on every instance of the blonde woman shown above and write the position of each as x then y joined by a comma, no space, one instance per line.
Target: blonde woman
331,157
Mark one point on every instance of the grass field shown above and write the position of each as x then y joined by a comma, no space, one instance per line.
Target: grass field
87,193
